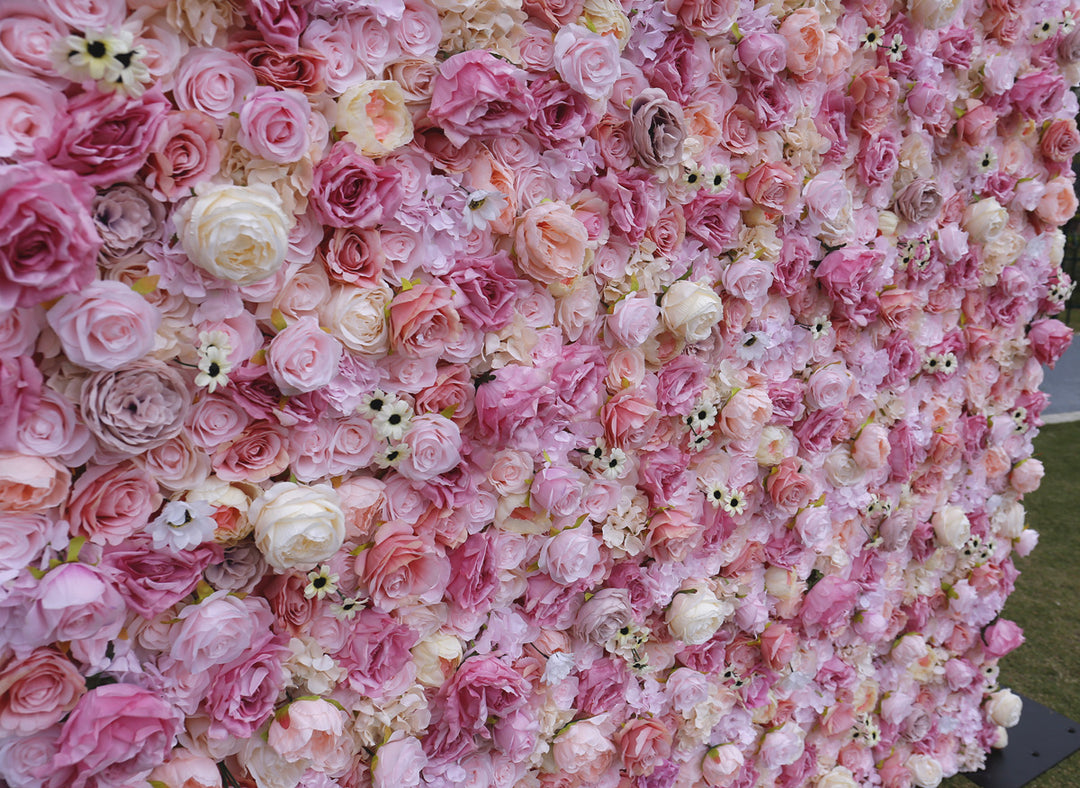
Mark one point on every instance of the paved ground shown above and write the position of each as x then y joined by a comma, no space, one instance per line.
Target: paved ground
1063,385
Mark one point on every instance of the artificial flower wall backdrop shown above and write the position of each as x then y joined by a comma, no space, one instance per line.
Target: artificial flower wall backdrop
564,393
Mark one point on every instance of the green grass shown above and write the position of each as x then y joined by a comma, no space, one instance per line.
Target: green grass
1046,602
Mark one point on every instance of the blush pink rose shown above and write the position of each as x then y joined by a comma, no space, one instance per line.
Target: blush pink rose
37,691
30,109
1027,475
186,769
22,539
570,555
315,731
219,630
398,763
303,357
478,94
1001,637
434,443
550,243
643,743
31,484
805,39
788,487
875,94
110,503
48,240
259,452
214,82
116,733
400,567
73,602
186,152
1058,203
830,603
629,418
274,124
763,54
587,61
104,326
423,321
1049,340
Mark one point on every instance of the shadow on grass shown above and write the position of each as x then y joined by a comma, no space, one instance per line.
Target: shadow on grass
1046,602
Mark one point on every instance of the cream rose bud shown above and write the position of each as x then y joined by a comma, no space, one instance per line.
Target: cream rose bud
984,220
691,310
951,526
374,117
436,657
297,526
1004,707
925,771
238,233
695,614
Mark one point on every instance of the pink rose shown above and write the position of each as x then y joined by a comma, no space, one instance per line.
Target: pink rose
632,320
28,762
829,386
550,243
23,538
219,630
587,61
875,94
107,136
1039,95
744,414
30,109
398,763
772,185
1058,203
851,273
274,124
570,555
28,32
37,691
1060,140
423,320
805,39
830,603
73,602
152,580
559,490
350,190
400,567
715,219
186,152
477,94
377,656
763,54
242,696
280,22
583,750
644,743
484,691
630,418
303,357
434,443
1027,475
48,241
187,769
110,503
1001,637
116,733
871,449
789,488
31,484
259,452
1049,340
214,82
105,325
316,731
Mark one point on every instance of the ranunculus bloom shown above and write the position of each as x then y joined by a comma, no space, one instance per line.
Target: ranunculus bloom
48,241
116,732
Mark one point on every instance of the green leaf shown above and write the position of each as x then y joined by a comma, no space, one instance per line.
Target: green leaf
74,548
146,285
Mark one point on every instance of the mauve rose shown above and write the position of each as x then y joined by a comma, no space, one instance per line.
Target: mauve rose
279,21
601,617
303,357
401,568
478,94
242,695
37,691
107,136
30,484
213,81
657,128
104,326
127,217
350,190
186,152
135,408
152,580
110,503
48,241
561,114
117,733
918,202
302,69
715,219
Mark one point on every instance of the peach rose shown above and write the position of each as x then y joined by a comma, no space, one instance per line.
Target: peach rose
423,321
31,484
37,691
550,243
1058,203
805,38
401,567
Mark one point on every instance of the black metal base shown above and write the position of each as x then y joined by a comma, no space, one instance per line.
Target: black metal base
1041,740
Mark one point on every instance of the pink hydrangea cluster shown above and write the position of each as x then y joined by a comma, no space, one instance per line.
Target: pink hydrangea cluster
541,394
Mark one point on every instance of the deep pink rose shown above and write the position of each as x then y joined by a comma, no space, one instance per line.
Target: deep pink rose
107,136
151,580
242,695
117,733
48,241
477,94
110,503
1039,95
1049,340
376,655
350,190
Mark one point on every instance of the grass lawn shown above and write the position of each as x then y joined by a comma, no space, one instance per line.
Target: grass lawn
1046,602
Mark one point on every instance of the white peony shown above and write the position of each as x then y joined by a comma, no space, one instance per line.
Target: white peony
297,526
925,771
238,233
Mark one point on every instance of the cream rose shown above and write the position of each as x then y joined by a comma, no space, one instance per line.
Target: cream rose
239,233
984,220
357,316
933,13
695,614
374,117
1004,707
925,771
297,526
690,310
951,526
837,777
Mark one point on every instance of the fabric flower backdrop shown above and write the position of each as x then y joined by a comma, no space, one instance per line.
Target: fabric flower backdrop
564,393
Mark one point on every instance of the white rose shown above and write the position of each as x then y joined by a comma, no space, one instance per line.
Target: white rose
239,233
1004,707
841,468
925,770
297,526
775,445
1008,520
695,614
1057,247
1001,739
357,316
951,526
267,768
374,117
690,310
434,656
984,220
837,777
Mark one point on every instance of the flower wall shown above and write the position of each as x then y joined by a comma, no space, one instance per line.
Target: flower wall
565,393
